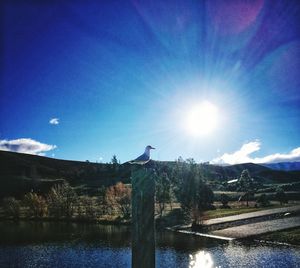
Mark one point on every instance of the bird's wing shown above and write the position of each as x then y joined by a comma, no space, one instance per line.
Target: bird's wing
142,157
141,160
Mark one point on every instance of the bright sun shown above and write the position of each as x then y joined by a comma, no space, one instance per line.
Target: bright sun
202,119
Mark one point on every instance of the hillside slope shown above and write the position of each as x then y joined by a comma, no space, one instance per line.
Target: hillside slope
21,173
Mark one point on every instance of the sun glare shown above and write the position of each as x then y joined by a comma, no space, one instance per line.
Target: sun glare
202,119
201,260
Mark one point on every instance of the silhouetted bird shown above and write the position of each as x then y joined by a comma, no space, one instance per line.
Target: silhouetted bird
144,158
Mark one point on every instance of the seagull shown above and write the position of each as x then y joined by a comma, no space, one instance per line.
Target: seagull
144,158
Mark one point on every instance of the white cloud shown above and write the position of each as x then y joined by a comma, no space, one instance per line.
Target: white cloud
54,121
292,156
27,146
243,155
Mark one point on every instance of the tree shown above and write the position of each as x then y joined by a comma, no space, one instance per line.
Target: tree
162,192
180,159
115,165
114,160
186,179
224,200
193,194
119,197
263,200
205,197
37,204
246,184
281,196
11,207
62,200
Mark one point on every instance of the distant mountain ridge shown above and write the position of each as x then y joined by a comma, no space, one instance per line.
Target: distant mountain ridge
286,166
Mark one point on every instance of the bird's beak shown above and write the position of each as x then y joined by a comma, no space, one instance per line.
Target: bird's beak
152,148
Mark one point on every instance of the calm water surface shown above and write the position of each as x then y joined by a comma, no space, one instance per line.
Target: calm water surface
49,244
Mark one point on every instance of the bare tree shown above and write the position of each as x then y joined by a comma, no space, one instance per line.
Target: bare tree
119,197
37,205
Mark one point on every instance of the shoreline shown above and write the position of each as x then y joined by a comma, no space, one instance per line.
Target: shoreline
282,237
257,239
64,220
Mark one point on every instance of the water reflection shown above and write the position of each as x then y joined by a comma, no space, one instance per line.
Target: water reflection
201,259
53,244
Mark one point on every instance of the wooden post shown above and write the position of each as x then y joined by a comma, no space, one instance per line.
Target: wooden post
143,230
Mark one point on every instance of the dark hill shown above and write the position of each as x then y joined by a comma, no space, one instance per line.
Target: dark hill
21,173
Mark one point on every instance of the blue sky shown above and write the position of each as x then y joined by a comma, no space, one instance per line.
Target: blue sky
116,76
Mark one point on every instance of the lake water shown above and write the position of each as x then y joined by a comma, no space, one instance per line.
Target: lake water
49,244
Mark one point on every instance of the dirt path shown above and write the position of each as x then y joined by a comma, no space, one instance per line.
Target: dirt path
258,228
247,224
250,215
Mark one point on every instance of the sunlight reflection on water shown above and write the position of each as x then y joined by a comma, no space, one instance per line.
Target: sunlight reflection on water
52,244
201,259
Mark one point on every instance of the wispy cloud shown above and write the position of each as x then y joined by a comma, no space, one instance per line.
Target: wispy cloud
243,155
54,121
25,145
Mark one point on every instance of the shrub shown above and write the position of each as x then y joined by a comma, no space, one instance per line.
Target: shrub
62,200
37,204
11,207
263,200
224,200
119,197
87,207
281,196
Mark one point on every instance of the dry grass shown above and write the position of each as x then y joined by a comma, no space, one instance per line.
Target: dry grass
287,236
